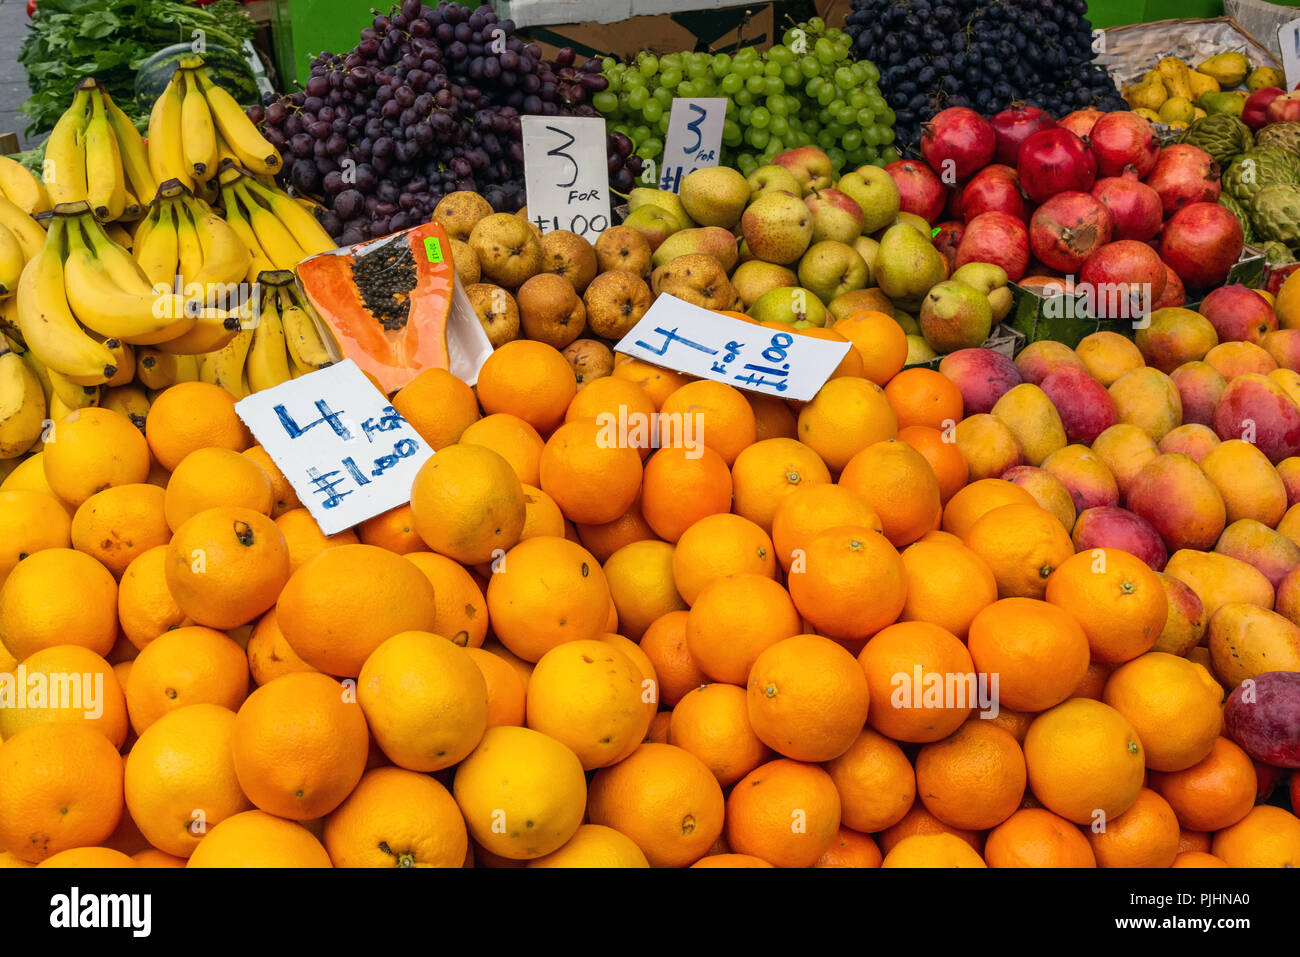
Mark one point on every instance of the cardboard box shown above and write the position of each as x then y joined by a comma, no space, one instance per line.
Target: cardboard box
712,31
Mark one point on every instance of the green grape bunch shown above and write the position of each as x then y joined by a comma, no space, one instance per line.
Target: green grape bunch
805,91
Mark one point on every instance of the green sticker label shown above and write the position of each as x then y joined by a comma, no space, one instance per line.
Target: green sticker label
433,249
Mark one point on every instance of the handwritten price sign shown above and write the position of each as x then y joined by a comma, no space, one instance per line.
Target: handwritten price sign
700,342
694,138
1288,41
343,447
566,174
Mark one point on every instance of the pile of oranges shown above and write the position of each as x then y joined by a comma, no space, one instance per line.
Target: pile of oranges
821,637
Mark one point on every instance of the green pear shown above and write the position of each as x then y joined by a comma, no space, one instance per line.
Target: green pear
907,265
955,316
710,240
715,195
907,321
755,277
773,179
655,223
860,300
829,269
983,276
918,350
876,192
789,304
868,249
645,196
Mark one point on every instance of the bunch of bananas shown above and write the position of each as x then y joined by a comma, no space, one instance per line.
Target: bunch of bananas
23,406
284,343
22,188
21,238
279,231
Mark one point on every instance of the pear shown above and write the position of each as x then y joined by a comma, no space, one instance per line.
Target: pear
1229,102
1178,109
955,316
1227,69
875,191
830,269
756,277
907,321
990,280
859,300
645,196
918,350
711,240
715,196
907,265
790,304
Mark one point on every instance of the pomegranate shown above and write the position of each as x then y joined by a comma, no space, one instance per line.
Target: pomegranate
1124,140
957,143
1080,122
1174,294
919,189
1201,242
1013,126
1123,280
956,199
947,237
1135,208
998,238
1254,113
1283,109
1053,161
1067,229
994,187
1184,174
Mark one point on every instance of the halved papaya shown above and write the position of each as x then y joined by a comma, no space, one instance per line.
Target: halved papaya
387,302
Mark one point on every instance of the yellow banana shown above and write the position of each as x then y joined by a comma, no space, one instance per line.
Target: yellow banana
70,394
64,168
118,263
12,262
225,367
259,262
200,135
166,153
129,400
225,155
22,405
135,155
125,357
131,211
190,253
306,347
297,219
255,153
281,248
118,234
28,231
46,321
21,187
225,258
105,185
214,329
9,319
268,360
156,370
158,253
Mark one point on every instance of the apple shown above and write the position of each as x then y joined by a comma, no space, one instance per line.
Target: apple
810,166
1254,112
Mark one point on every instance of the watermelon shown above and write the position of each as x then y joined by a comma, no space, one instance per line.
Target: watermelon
228,69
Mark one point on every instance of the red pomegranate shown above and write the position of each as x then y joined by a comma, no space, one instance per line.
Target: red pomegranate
1174,294
919,189
998,238
1135,208
1053,161
1080,122
957,143
1184,174
1254,113
1124,140
994,187
947,237
1284,108
1201,242
1013,126
956,197
1067,229
1123,279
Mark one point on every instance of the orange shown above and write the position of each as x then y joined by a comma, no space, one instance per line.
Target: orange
75,686
604,540
920,821
932,850
720,545
1216,792
269,652
151,857
424,699
1116,597
1172,703
145,606
772,417
393,530
660,725
529,379
1038,652
1197,859
624,405
974,778
343,604
118,524
978,498
1084,759
212,478
468,504
807,698
640,577
768,472
541,515
461,610
1023,545
1146,835
1034,837
731,860
944,458
193,415
947,585
304,538
710,412
92,449
879,340
658,383
850,849
300,745
505,689
58,597
60,787
397,818
664,642
261,840
899,484
1266,837
850,583
734,620
921,679
283,497
524,669
712,723
875,782
594,845
1094,681
924,397
511,438
591,476
180,777
185,666
785,812
1191,840
29,522
843,418
587,695
546,591
226,566
663,798
643,664
438,406
681,487
813,508
521,793
88,857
